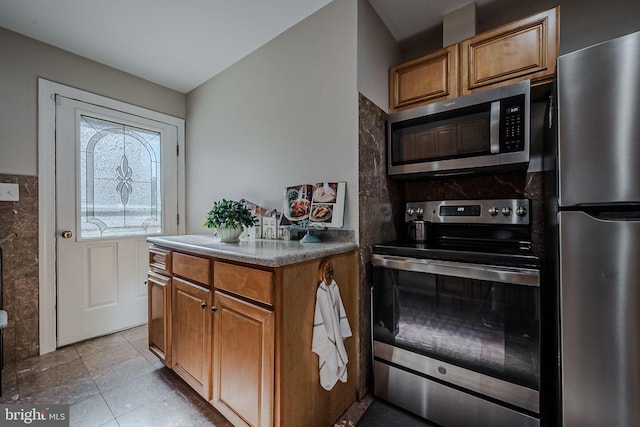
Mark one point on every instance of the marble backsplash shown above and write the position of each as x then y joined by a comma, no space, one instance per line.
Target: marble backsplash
19,243
503,185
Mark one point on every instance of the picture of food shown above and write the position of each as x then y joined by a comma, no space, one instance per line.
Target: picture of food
325,192
315,206
297,202
299,208
321,213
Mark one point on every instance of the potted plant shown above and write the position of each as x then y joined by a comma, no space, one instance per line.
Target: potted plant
229,218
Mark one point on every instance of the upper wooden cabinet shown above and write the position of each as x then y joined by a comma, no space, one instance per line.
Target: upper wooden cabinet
430,78
525,49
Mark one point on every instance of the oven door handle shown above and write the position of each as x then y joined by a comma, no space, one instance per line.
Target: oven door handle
490,273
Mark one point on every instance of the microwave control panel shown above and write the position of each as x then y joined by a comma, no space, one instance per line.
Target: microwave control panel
512,120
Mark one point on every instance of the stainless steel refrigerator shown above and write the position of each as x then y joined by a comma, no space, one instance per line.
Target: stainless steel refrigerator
599,233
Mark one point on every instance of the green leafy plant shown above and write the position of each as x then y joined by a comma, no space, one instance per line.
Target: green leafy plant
230,214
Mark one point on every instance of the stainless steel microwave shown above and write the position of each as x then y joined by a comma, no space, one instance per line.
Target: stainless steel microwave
460,135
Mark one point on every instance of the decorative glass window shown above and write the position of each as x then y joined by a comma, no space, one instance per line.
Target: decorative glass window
120,179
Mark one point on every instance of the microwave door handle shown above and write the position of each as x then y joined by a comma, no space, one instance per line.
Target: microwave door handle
494,128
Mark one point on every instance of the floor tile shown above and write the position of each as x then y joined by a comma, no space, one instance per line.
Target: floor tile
62,393
142,345
90,413
32,382
9,385
384,414
167,411
115,381
134,393
122,372
109,359
47,361
136,333
100,345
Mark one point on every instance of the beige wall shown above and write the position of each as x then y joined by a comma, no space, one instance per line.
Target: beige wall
377,51
23,60
286,114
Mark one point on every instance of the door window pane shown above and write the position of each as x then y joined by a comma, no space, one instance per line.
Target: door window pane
120,179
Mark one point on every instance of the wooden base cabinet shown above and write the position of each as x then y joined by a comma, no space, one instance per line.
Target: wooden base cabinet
159,296
300,399
191,335
240,335
243,361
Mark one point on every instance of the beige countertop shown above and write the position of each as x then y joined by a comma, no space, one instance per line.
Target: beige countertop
270,253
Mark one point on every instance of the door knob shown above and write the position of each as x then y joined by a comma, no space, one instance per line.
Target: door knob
214,308
67,234
203,305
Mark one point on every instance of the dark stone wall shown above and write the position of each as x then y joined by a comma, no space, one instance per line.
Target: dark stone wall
380,199
20,276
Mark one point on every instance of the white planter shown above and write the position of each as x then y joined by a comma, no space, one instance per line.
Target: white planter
229,235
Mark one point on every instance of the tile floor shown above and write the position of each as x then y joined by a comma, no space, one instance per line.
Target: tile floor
115,381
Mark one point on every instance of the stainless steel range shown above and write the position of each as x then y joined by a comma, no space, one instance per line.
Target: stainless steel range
456,314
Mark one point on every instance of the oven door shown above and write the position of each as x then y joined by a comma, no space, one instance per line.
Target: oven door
472,327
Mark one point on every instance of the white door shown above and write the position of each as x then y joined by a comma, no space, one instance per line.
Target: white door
116,184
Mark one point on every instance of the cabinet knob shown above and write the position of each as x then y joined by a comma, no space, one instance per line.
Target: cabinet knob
214,308
203,305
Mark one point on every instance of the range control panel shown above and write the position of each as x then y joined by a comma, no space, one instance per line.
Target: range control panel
494,211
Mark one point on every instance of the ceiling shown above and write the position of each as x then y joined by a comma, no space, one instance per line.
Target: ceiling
408,18
182,44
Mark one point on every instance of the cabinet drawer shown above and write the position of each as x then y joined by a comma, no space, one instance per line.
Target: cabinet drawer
192,267
160,260
244,281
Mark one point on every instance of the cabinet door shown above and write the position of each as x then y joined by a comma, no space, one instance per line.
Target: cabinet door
191,335
430,78
159,289
524,49
243,361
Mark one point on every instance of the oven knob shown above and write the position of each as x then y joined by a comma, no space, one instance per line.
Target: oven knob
521,211
506,211
410,211
419,211
493,211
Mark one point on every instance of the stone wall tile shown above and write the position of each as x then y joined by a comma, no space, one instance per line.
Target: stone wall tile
19,243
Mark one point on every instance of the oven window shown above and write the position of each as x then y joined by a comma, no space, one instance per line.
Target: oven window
488,327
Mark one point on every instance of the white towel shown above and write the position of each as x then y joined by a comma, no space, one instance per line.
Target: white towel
330,328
